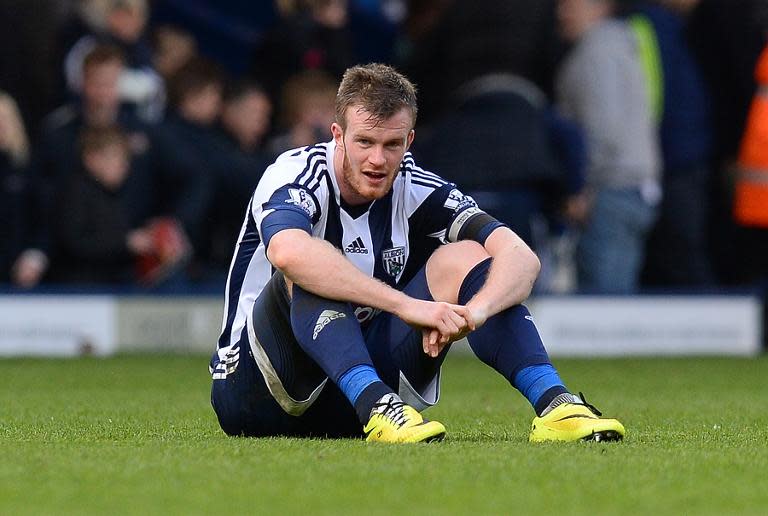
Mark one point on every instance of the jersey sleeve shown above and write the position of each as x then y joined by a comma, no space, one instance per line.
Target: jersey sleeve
450,215
291,206
284,201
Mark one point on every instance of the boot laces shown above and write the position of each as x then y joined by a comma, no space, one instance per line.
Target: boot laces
588,405
392,408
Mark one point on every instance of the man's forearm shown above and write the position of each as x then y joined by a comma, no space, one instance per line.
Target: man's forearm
320,268
511,276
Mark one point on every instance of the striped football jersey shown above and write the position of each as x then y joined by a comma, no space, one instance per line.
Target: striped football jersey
390,239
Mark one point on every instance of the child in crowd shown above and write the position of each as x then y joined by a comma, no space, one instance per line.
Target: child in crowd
99,237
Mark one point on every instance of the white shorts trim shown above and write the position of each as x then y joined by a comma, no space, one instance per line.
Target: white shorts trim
274,384
420,400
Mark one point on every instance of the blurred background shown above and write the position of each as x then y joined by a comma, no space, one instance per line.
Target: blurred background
625,141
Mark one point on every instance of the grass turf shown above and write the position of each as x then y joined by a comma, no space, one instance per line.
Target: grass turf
136,435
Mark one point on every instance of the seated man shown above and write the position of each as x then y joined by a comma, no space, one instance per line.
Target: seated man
355,270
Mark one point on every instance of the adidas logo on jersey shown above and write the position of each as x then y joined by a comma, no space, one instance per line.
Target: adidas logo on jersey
356,247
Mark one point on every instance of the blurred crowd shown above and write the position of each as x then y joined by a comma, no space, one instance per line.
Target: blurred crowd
626,141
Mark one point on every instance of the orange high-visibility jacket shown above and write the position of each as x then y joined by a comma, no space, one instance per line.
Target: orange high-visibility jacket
750,206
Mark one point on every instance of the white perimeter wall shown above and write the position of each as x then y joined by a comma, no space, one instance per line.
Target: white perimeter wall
570,326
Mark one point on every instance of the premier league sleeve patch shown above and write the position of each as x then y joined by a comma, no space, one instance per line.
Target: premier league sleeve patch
457,201
303,200
290,206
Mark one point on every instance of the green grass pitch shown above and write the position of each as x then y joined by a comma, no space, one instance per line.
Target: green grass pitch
136,435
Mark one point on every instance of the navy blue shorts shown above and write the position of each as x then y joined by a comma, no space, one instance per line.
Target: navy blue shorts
276,389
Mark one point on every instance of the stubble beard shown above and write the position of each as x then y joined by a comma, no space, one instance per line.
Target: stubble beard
349,178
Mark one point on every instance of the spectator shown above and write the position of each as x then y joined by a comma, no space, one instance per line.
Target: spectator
173,48
307,109
55,155
500,126
196,93
600,85
313,35
246,115
98,235
225,30
165,183
727,36
121,23
189,132
14,157
452,42
245,120
677,252
750,203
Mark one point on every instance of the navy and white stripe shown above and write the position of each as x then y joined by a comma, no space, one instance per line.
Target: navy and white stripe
389,240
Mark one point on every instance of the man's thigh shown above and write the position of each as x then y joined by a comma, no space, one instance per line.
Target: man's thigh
245,407
273,367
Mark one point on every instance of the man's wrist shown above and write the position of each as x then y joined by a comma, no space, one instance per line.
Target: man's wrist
479,308
398,303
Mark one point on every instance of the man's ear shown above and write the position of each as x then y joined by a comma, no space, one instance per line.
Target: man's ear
338,133
409,139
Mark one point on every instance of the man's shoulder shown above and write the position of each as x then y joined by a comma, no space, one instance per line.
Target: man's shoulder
311,156
413,175
305,166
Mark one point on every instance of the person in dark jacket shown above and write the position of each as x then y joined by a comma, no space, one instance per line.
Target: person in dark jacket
242,159
98,233
316,35
677,251
453,42
500,126
189,134
162,181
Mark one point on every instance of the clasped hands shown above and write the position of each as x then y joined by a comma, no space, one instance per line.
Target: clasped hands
442,323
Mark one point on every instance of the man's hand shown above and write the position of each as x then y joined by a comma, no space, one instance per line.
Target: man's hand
434,342
441,323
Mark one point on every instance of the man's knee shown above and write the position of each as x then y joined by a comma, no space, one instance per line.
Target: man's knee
449,265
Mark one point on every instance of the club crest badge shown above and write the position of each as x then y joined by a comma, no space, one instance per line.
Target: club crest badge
394,260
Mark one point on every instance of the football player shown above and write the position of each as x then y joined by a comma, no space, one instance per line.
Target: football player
354,272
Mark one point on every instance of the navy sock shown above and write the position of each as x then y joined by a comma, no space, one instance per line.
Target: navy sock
547,398
368,397
328,332
509,342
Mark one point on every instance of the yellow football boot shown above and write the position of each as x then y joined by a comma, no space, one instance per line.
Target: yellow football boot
574,422
392,421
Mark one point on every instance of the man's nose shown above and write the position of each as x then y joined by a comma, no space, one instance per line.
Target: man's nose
376,156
